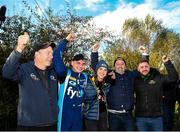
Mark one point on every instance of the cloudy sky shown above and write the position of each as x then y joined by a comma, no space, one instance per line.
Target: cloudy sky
110,13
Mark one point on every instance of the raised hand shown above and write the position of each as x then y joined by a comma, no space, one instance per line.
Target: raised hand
70,37
165,58
112,74
95,47
22,42
143,50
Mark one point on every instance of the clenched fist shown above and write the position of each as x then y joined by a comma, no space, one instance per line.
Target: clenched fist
95,47
22,42
70,37
165,58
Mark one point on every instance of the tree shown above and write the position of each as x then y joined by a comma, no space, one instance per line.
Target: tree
140,32
156,38
51,22
149,33
167,43
41,29
119,48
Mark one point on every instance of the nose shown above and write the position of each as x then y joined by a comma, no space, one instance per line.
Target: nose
51,56
144,68
81,66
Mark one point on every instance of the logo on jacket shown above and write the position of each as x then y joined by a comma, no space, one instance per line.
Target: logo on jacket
72,83
72,78
53,77
75,87
34,77
83,83
73,93
152,82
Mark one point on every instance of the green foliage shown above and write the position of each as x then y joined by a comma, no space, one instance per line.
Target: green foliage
167,43
142,32
120,49
8,96
51,26
157,39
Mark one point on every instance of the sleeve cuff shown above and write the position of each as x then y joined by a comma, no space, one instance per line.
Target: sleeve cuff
17,53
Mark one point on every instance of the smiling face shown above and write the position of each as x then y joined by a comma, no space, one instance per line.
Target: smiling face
78,66
144,68
120,66
43,57
101,73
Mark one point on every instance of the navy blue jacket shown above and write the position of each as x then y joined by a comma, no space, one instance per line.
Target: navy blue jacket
121,94
36,107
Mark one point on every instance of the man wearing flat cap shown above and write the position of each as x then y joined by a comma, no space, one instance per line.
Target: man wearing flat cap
37,106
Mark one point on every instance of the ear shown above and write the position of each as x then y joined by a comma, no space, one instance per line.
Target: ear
72,62
36,53
138,68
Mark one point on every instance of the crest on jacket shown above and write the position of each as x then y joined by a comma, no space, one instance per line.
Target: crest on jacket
151,82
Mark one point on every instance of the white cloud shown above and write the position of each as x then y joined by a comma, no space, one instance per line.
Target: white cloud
114,20
88,4
173,4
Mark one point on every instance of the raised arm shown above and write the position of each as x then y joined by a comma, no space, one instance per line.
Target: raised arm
172,73
58,63
94,56
11,69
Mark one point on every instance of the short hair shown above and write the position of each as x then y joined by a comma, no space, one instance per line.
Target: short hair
143,60
78,57
119,58
37,47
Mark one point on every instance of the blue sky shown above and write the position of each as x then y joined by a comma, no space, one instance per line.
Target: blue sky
109,13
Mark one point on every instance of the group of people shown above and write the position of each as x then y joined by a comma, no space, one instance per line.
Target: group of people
53,96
